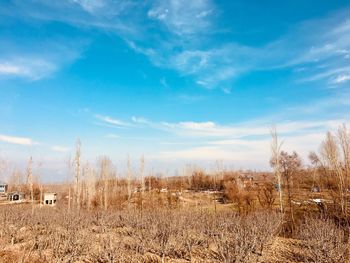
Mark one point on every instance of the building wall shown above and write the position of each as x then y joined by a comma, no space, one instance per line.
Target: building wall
15,197
50,199
3,188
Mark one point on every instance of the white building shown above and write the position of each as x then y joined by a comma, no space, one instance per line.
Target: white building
3,188
15,197
50,199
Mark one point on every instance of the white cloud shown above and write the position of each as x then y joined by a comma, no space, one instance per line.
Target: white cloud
200,129
204,13
327,74
90,5
58,148
16,140
315,42
191,125
140,120
192,61
8,69
245,143
31,68
190,98
112,121
189,26
319,46
247,129
182,17
342,78
210,129
35,59
254,150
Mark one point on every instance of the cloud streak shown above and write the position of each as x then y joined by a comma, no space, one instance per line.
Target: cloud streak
37,59
185,38
112,121
16,140
59,148
31,68
182,17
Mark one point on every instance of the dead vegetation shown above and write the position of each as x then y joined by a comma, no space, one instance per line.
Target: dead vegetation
128,236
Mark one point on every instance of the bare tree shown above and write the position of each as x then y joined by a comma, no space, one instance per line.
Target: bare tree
276,151
91,182
290,164
335,152
77,173
30,181
344,147
129,172
105,164
325,241
70,164
266,195
3,166
41,187
142,173
315,162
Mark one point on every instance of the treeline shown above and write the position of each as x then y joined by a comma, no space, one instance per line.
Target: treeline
292,182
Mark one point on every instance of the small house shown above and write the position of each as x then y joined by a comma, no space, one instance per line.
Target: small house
50,199
15,197
315,189
3,188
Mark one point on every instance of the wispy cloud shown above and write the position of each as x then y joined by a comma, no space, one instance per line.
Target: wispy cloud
327,73
253,149
140,120
9,69
16,140
182,17
59,148
241,142
185,36
228,132
251,128
113,121
31,68
320,47
308,45
90,6
186,98
341,79
38,58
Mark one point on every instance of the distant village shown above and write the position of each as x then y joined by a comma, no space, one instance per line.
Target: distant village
15,197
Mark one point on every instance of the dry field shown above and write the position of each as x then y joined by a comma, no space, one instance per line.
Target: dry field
163,235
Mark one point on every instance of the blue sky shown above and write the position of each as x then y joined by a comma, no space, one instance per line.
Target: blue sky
178,81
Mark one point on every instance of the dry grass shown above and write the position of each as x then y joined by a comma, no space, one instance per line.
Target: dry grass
53,235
